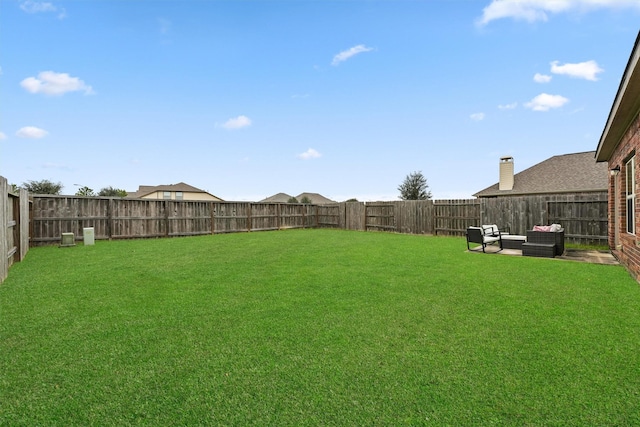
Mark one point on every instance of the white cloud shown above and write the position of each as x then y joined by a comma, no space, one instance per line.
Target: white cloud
31,132
52,83
309,154
511,106
587,70
31,6
237,123
539,10
476,117
542,78
3,136
346,54
545,102
50,165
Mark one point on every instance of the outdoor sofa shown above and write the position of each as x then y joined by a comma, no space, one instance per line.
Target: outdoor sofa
544,243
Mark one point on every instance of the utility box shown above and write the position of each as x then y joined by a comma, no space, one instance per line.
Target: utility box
67,240
89,236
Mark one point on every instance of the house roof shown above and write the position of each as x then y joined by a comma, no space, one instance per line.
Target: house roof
144,190
277,198
625,107
568,173
316,199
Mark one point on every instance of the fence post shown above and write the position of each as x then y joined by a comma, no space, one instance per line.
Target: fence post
212,214
25,227
166,218
4,199
109,225
278,216
17,241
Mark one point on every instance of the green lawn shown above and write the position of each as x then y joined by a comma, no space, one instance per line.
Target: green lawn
315,327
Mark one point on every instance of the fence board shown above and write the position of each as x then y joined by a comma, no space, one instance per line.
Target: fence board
4,244
354,216
380,216
231,217
452,217
23,224
329,216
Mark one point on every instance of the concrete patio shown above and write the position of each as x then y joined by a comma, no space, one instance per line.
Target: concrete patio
590,256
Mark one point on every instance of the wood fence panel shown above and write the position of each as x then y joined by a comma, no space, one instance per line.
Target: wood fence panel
188,218
138,218
380,216
354,216
54,215
230,217
291,216
452,217
522,213
329,216
414,216
584,221
264,216
6,232
294,215
91,212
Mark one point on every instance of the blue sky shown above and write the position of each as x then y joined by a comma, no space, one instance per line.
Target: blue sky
249,98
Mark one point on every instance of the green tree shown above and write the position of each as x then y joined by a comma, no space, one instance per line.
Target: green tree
112,192
305,200
85,191
292,200
43,187
352,200
414,187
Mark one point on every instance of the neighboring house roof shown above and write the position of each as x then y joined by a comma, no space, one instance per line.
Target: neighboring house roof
625,107
316,199
277,198
568,173
145,190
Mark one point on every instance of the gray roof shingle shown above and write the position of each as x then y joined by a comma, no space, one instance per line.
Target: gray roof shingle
316,199
568,173
144,190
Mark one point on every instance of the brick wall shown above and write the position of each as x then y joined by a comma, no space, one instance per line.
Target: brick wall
628,249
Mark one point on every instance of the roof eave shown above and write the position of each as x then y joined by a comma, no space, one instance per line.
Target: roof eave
539,193
624,109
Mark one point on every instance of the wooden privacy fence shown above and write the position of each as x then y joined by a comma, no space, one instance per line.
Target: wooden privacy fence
14,227
584,218
583,215
115,218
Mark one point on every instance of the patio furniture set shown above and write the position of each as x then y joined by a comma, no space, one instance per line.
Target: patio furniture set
542,241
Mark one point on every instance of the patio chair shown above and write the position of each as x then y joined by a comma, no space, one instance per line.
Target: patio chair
493,230
477,235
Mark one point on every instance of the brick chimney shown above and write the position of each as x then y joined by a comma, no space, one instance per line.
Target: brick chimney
506,173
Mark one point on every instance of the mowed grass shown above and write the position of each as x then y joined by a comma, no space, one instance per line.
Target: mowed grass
315,327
